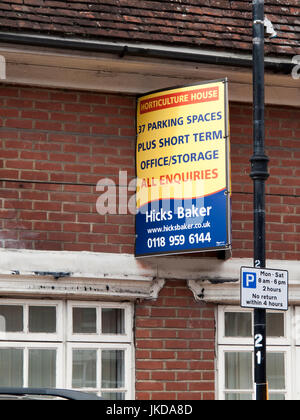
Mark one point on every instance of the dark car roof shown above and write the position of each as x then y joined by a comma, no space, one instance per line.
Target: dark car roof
68,394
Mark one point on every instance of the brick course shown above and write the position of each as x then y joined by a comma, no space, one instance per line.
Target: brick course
175,341
282,187
56,145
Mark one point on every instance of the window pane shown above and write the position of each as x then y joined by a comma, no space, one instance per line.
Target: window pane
84,369
11,367
238,370
42,319
113,321
275,370
276,397
238,324
275,324
113,368
42,368
238,396
84,320
113,396
11,318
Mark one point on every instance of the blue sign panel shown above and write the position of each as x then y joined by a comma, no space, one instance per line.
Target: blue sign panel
191,225
249,280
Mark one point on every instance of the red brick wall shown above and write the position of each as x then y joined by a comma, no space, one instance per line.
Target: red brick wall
175,342
282,187
56,145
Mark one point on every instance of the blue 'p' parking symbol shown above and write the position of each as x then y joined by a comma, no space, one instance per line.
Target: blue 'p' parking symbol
249,280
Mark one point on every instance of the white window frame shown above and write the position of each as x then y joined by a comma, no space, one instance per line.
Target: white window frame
100,337
234,348
296,326
99,347
64,340
30,336
296,362
221,368
245,344
26,346
272,341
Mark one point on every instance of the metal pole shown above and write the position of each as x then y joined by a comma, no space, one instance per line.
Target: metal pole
259,174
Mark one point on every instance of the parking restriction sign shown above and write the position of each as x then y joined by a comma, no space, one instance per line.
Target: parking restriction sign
264,288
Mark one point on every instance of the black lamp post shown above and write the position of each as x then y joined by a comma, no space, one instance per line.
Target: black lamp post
259,174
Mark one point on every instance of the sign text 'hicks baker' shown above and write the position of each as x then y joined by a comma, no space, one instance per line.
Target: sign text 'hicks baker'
187,213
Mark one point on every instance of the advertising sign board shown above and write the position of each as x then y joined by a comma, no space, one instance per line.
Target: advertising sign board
182,166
